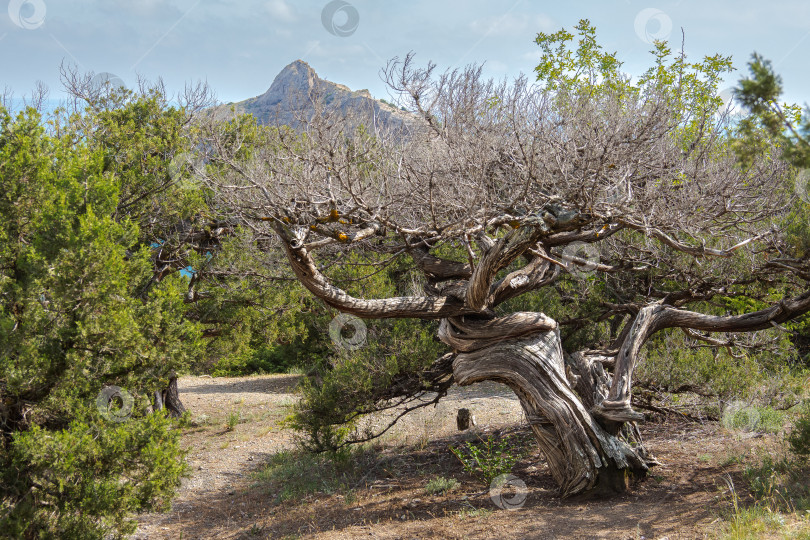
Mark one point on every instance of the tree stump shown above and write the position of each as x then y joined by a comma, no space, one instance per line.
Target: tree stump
464,419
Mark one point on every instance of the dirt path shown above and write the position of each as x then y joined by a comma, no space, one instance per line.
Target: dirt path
221,499
222,459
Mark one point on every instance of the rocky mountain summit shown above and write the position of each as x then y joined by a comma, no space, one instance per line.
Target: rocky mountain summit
297,89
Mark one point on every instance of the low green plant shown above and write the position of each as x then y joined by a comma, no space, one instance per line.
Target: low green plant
489,458
440,484
234,417
754,418
780,483
473,512
295,474
799,437
776,512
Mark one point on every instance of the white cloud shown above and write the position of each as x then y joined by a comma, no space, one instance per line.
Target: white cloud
280,10
513,24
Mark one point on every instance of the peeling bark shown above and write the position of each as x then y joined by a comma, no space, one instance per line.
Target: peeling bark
581,454
467,335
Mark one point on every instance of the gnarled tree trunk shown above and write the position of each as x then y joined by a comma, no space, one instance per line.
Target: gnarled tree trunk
582,455
169,398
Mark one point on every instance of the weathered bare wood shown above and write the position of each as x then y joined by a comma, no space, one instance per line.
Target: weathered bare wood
496,256
656,317
169,399
538,273
424,307
579,451
436,268
465,334
592,382
674,243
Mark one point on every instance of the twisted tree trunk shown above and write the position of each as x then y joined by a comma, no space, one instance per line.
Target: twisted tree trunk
522,350
582,455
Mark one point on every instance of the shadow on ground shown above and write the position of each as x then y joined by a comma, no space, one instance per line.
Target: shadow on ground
279,384
389,500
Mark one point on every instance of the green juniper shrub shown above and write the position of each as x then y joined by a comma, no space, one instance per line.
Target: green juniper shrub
799,437
488,458
79,311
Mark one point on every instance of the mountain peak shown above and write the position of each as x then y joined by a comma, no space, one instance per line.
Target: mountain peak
294,87
299,67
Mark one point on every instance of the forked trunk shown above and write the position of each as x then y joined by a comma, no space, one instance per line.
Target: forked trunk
169,398
582,455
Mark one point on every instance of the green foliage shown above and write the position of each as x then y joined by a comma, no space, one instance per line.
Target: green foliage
589,71
586,67
259,319
780,489
440,484
785,128
147,148
752,418
799,437
670,365
784,123
780,482
351,383
232,420
347,382
84,481
79,310
489,458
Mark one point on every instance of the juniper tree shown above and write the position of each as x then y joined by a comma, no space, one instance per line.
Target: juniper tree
82,324
499,196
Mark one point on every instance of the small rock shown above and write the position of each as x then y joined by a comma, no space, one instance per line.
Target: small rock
250,458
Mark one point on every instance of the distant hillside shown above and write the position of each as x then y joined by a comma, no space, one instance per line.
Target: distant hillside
294,89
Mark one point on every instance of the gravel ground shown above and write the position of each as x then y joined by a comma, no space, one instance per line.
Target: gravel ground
221,460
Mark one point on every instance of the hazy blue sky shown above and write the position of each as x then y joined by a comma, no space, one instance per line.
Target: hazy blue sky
238,46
